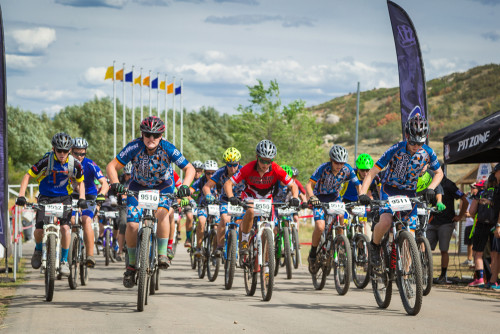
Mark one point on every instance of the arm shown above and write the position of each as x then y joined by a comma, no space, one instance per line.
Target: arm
190,172
228,188
295,190
112,170
436,180
206,188
368,180
81,190
104,185
463,208
24,185
309,188
473,207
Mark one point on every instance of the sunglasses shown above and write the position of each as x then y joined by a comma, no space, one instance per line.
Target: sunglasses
337,163
265,162
80,154
415,143
61,151
154,135
209,173
233,165
364,170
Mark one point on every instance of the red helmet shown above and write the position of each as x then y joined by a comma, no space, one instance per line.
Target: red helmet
152,124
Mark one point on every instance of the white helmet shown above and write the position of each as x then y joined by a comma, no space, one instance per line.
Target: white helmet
210,165
266,149
338,154
80,142
197,164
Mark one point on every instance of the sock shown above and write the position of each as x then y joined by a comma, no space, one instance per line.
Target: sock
64,254
245,236
39,246
188,235
312,253
479,273
162,246
373,244
170,242
131,255
443,271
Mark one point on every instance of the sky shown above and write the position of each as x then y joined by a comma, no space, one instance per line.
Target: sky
57,51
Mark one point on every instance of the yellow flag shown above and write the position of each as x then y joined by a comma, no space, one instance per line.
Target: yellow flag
137,81
145,82
162,85
119,75
170,88
109,73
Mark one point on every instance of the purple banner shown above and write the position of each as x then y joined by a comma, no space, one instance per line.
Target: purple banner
4,205
410,65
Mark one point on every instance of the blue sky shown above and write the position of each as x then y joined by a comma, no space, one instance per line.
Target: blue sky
57,51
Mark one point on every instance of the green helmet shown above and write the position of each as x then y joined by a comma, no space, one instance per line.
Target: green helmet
287,169
364,161
424,181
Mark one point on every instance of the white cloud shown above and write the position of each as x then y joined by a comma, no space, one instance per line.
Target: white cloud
41,94
93,76
52,110
96,93
34,40
16,62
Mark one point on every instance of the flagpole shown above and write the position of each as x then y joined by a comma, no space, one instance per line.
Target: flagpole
124,113
133,110
173,110
158,94
140,82
182,125
166,109
149,92
114,110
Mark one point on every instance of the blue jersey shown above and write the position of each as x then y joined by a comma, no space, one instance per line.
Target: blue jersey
281,193
198,185
152,171
403,168
327,185
91,171
351,193
220,177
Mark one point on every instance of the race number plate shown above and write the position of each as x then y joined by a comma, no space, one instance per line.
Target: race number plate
111,214
74,203
399,203
234,210
262,207
336,208
421,212
286,212
148,199
54,210
359,210
213,210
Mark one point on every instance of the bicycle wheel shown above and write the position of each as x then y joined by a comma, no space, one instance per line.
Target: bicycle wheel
381,282
107,248
266,272
143,266
409,274
360,259
153,261
230,263
287,258
424,248
342,264
84,272
319,278
74,245
296,248
50,270
278,246
249,274
192,249
213,262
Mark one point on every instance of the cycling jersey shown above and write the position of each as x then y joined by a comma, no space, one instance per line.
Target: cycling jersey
300,186
351,194
281,194
198,185
220,177
260,186
327,185
57,184
91,172
177,180
403,168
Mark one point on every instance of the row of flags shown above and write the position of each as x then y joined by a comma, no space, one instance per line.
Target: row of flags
142,81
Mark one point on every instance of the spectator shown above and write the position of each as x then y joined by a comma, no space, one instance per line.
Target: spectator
495,244
469,222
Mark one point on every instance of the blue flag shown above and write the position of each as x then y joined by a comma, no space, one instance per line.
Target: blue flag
410,65
128,77
154,84
178,90
4,166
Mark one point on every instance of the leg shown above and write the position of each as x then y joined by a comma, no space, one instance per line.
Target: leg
88,235
200,230
221,229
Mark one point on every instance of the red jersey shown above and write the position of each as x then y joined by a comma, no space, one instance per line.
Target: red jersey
177,180
301,187
255,184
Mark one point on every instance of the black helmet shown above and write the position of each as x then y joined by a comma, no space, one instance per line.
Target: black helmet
80,143
417,129
62,141
152,124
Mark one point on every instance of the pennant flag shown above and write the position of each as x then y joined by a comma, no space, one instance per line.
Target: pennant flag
170,88
410,65
154,84
119,75
145,82
109,73
178,90
128,77
137,81
162,85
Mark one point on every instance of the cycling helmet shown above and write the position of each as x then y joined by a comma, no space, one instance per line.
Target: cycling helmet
210,165
424,181
417,129
338,154
364,161
128,168
152,124
80,142
197,164
62,141
266,149
231,155
295,171
287,169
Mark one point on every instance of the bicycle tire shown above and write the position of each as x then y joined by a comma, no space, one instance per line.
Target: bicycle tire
107,248
427,263
230,263
73,261
213,262
192,249
267,281
342,268
50,270
278,242
360,261
250,276
382,283
153,261
287,258
296,248
143,268
84,271
406,244
319,278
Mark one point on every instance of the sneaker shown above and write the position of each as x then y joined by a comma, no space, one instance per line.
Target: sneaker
219,251
170,253
36,259
163,262
495,287
179,236
119,257
312,265
64,268
90,261
244,248
197,253
467,263
187,243
129,277
441,280
478,282
99,241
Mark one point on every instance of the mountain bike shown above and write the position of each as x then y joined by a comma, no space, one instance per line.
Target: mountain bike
209,262
77,252
231,244
359,246
194,239
282,242
108,245
333,251
423,245
400,259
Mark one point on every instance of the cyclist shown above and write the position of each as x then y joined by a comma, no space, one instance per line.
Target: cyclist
91,172
405,161
323,187
261,177
151,158
54,171
232,159
188,209
210,167
121,201
170,246
302,194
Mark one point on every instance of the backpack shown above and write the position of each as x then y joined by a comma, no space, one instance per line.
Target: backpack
50,166
485,209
